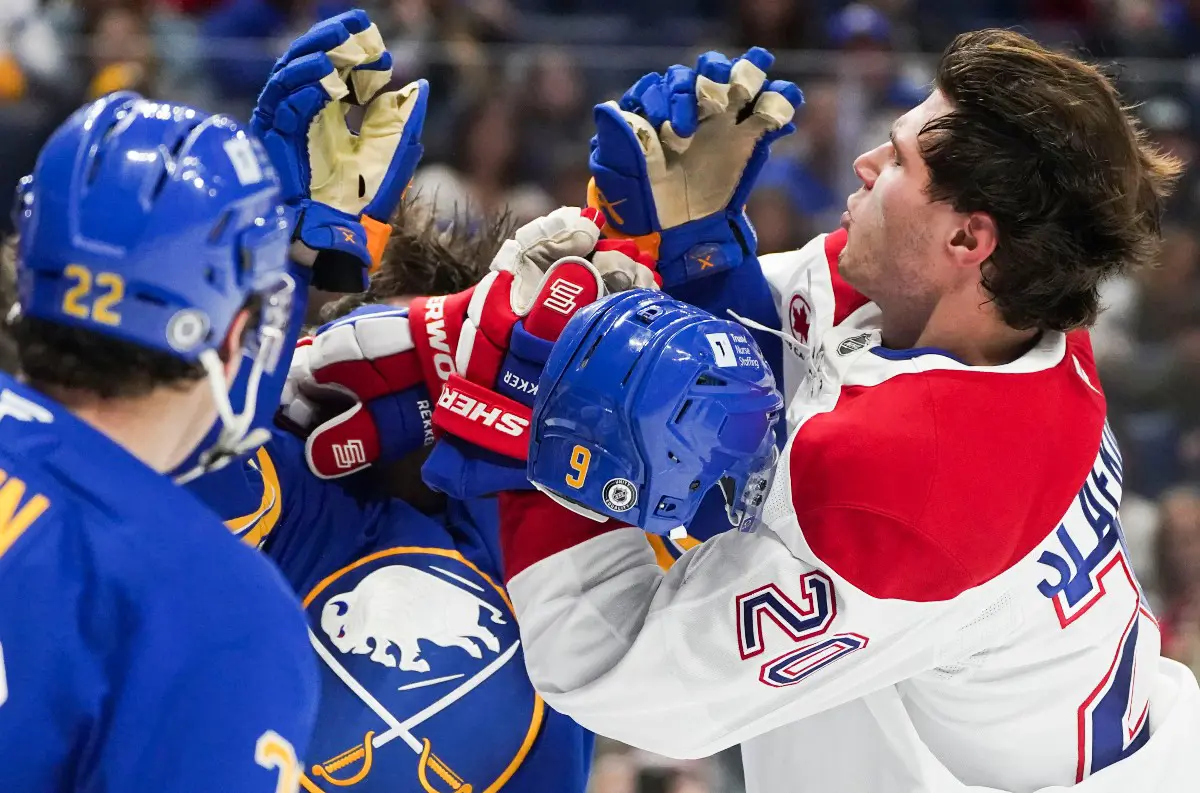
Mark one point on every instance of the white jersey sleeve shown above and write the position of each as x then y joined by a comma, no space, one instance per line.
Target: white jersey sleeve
743,634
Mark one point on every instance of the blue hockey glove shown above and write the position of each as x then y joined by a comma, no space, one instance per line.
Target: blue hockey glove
674,161
341,187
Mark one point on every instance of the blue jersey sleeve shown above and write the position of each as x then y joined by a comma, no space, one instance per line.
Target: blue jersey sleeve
236,718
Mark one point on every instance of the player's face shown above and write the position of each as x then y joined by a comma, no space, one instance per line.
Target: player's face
894,252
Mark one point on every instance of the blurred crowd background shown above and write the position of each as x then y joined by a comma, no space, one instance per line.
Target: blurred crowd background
513,85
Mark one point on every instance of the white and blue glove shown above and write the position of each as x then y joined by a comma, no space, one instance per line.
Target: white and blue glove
342,187
674,161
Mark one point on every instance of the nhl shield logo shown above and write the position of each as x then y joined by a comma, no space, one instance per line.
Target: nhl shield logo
423,683
619,495
854,343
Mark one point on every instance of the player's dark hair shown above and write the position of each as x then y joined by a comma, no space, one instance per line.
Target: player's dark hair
426,256
1041,142
9,362
57,358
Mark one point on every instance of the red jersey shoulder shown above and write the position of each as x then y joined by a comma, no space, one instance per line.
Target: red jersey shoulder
846,299
934,482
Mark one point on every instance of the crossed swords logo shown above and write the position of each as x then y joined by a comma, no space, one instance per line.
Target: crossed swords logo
446,778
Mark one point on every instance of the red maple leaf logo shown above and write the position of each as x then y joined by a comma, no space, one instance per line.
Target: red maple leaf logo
800,318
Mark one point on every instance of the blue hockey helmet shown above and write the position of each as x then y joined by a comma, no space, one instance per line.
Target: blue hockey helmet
155,223
645,404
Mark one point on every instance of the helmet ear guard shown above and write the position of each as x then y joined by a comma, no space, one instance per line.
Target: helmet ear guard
646,404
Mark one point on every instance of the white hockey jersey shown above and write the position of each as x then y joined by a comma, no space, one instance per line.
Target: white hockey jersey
938,598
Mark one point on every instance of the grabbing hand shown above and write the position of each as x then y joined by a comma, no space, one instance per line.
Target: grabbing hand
552,267
674,161
341,187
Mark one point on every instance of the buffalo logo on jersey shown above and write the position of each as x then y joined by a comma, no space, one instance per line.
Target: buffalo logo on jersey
423,682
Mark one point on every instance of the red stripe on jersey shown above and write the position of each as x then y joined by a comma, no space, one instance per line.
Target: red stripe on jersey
534,527
846,299
929,484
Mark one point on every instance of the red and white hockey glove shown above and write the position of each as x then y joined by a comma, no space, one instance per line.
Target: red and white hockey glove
552,267
361,387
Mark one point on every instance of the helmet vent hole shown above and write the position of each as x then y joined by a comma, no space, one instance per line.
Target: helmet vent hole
694,486
632,366
682,412
219,227
671,456
709,380
587,356
98,151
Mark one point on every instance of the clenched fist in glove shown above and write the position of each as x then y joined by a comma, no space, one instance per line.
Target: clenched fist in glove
342,188
362,387
551,268
359,388
674,161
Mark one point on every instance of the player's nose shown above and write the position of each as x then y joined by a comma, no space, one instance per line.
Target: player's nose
867,165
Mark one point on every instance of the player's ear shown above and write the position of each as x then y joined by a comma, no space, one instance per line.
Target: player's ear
231,348
974,239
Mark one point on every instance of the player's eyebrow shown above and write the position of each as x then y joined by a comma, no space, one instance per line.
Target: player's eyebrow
895,145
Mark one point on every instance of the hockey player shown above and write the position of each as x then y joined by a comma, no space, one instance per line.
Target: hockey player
133,631
423,682
154,247
936,595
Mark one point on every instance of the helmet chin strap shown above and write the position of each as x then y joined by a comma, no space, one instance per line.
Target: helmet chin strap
235,438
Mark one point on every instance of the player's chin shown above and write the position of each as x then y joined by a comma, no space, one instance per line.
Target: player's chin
851,267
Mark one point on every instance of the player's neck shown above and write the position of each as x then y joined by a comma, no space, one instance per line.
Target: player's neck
160,428
968,326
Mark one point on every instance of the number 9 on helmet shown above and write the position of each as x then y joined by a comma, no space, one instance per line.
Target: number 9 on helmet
645,404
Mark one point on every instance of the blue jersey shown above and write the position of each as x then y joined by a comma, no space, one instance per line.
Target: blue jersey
423,677
141,647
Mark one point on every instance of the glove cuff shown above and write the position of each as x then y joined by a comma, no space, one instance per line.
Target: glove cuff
341,244
378,233
648,244
704,247
483,418
436,324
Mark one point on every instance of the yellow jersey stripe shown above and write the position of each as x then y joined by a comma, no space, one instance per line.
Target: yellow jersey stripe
266,516
661,554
